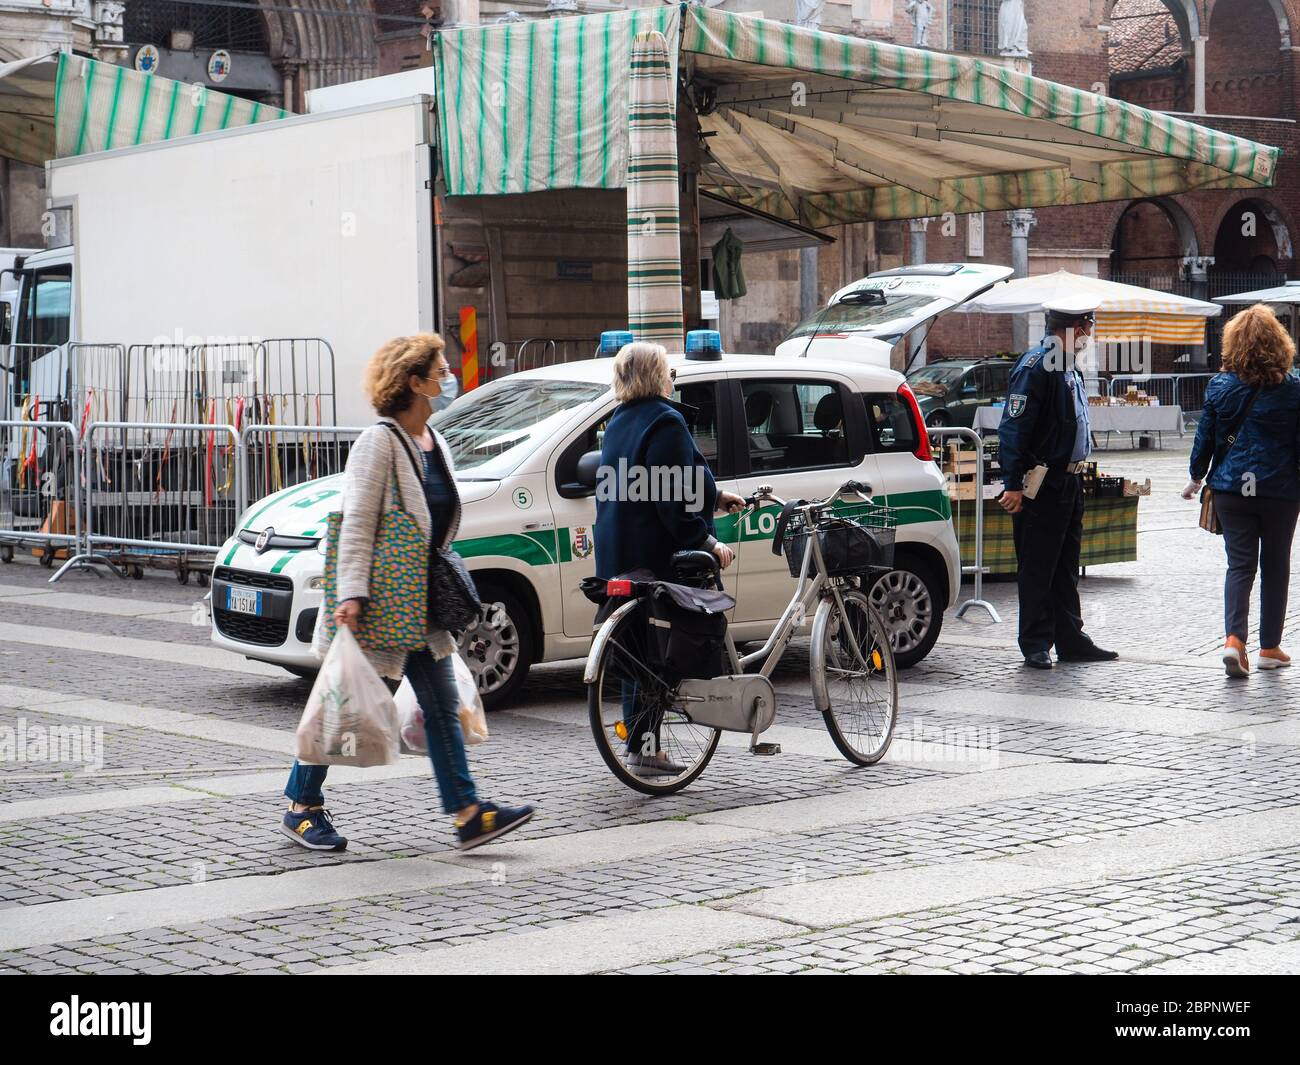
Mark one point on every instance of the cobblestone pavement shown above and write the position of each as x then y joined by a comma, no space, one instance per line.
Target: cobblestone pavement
1113,818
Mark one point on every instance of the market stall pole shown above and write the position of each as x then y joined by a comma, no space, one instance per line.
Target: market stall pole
654,270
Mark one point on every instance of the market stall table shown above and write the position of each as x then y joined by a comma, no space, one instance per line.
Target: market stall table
1109,533
1134,419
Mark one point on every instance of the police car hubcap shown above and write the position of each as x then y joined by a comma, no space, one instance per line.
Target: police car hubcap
491,647
904,603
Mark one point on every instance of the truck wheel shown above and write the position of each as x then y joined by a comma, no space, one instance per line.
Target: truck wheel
910,599
499,648
7,553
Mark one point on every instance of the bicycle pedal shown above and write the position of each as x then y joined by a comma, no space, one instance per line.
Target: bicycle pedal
765,748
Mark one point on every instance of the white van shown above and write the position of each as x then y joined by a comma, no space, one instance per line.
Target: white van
804,426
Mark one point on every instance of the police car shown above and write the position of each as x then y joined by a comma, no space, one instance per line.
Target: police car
802,425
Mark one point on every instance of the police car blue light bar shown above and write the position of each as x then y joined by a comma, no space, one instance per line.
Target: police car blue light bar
611,341
704,344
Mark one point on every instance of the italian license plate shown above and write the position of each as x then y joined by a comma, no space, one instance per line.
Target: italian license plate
244,601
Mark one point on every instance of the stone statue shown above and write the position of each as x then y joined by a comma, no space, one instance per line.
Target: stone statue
922,12
808,13
1013,30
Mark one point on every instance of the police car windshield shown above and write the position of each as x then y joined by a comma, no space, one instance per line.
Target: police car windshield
492,429
873,318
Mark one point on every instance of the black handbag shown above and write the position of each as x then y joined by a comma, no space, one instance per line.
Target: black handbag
453,599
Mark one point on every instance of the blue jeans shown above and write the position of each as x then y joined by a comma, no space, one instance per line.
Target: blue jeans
434,682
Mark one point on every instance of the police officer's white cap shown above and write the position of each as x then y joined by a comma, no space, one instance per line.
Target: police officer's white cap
1072,306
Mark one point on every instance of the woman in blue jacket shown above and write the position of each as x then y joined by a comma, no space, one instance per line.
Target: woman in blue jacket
1256,480
655,495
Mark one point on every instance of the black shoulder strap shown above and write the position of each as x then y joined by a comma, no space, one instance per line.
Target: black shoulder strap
419,473
1236,428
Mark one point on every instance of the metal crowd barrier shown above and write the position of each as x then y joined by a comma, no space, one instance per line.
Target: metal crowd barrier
39,498
280,456
977,570
157,495
170,494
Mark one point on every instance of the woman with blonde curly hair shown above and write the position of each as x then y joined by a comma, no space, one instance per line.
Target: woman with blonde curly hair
403,379
1248,441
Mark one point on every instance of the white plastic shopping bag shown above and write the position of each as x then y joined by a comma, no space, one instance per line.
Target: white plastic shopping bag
473,721
350,718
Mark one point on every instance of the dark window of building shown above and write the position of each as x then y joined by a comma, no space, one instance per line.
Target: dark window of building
975,26
236,29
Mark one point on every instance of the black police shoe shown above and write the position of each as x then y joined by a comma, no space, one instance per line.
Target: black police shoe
1088,653
1038,660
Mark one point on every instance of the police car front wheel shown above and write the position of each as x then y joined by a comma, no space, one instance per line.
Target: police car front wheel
909,600
499,647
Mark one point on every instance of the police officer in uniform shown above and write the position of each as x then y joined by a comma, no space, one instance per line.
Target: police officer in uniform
1045,424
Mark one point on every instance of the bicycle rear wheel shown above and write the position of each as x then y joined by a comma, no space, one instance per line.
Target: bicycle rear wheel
646,739
854,677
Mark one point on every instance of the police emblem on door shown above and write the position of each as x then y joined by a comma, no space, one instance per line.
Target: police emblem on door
582,542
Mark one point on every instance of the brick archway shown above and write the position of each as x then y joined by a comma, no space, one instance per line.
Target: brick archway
1152,236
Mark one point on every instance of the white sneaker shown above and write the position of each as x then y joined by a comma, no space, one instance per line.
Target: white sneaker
1263,661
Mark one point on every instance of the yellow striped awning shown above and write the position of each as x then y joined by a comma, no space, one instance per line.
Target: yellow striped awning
1154,328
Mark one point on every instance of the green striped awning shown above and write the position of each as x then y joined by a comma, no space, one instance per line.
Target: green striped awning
62,105
527,106
810,126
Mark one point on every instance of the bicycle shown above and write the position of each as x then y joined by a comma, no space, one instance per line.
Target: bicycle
657,731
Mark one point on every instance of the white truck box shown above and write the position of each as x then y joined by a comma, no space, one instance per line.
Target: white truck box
312,226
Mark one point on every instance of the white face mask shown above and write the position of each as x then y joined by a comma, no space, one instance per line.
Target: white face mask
450,387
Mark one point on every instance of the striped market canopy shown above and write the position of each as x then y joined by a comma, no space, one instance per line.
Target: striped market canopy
1126,312
59,105
812,127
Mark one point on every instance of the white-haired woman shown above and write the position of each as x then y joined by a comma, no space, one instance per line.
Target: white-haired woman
649,432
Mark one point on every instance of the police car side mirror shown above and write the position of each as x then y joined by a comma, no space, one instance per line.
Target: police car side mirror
589,469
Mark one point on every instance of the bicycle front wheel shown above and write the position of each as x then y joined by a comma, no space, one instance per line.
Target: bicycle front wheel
854,678
641,730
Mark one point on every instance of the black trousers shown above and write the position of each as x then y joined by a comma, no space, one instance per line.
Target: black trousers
1049,536
1257,534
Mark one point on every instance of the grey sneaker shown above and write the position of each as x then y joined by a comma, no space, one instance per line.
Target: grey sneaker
653,765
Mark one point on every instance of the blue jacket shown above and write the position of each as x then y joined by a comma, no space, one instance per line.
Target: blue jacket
1038,421
634,530
1268,446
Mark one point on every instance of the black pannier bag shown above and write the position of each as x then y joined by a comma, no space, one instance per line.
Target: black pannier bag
689,626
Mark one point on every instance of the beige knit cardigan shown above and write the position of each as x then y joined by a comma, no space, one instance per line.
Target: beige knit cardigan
367,489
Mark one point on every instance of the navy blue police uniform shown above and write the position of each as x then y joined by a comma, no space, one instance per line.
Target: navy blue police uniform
1040,425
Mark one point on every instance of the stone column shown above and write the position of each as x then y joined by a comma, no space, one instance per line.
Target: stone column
1021,222
1196,269
1198,62
808,302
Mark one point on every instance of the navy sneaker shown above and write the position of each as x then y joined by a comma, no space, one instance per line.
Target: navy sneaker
312,829
489,822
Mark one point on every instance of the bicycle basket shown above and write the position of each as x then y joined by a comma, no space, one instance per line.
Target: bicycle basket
854,539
